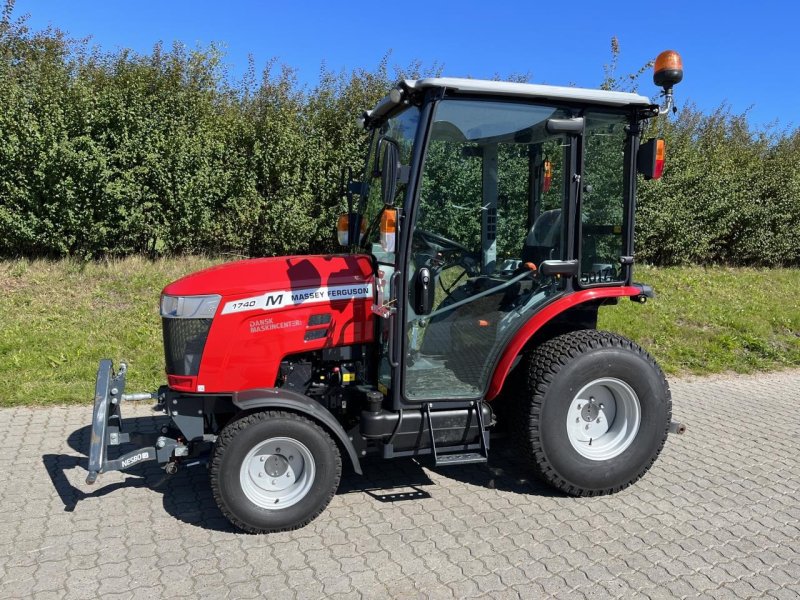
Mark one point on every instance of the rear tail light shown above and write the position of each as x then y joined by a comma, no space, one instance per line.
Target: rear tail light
650,161
660,151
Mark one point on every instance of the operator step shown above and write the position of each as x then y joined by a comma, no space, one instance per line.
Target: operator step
466,458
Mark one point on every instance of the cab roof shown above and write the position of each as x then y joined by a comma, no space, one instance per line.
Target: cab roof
529,90
504,89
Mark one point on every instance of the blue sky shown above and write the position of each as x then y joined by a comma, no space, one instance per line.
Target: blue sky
743,54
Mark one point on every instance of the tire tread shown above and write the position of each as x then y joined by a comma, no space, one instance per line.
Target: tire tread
225,438
543,365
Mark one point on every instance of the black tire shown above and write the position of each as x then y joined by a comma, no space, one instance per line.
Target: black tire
557,370
231,449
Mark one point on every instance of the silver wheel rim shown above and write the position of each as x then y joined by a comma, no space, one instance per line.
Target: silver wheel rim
277,473
603,419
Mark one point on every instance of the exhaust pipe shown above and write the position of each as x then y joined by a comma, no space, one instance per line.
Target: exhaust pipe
675,427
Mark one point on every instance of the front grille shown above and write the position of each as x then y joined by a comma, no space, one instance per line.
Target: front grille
184,340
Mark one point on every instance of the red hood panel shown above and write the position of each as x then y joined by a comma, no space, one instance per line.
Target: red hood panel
275,307
259,275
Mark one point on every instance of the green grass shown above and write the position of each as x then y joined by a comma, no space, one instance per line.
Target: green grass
710,320
58,319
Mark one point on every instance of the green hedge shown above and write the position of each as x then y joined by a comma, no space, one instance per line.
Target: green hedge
729,195
119,153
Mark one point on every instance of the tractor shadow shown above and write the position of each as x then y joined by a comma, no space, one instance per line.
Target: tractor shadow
506,471
187,494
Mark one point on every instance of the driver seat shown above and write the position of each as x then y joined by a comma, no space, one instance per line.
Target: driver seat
543,238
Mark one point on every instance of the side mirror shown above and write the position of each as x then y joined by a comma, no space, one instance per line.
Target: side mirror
390,169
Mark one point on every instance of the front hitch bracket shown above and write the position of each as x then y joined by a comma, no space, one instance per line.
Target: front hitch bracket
107,428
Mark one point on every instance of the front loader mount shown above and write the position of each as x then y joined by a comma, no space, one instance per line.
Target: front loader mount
107,428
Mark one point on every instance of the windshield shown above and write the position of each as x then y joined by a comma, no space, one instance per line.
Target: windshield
401,130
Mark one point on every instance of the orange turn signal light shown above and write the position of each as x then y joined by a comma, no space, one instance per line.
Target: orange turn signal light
342,226
548,175
343,229
388,229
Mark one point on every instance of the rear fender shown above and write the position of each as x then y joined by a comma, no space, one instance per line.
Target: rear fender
541,319
288,400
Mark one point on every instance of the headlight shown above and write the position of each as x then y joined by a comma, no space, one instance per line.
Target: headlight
189,307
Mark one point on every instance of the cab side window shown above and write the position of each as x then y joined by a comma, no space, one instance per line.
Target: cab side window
602,200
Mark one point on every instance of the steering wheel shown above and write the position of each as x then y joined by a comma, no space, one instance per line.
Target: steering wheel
442,247
442,244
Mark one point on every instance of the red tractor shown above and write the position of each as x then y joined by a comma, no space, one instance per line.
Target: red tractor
491,223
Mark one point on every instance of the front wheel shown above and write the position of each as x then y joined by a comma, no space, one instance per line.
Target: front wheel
274,471
596,412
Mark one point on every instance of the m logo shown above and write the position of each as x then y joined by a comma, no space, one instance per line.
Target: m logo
274,300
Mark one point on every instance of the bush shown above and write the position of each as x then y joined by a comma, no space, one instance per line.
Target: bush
113,154
729,194
119,153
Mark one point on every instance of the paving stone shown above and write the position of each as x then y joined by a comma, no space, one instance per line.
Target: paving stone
718,516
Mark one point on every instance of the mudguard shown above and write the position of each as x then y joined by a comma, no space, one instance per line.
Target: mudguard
279,398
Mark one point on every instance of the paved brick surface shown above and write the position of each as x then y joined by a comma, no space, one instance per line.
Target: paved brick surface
718,516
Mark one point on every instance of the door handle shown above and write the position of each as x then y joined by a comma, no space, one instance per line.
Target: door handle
392,320
423,292
567,268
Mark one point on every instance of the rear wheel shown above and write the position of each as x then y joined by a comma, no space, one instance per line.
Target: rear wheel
274,471
596,412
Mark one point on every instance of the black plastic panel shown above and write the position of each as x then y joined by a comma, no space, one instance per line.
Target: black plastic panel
184,341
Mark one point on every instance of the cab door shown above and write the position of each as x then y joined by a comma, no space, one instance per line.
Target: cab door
471,276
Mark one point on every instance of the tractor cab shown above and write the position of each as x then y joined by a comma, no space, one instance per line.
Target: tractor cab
483,203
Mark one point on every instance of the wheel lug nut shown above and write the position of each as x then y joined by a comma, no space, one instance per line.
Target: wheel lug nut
274,482
263,458
579,406
277,450
260,474
577,419
291,457
587,427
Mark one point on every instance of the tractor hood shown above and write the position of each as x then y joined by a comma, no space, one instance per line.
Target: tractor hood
259,275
